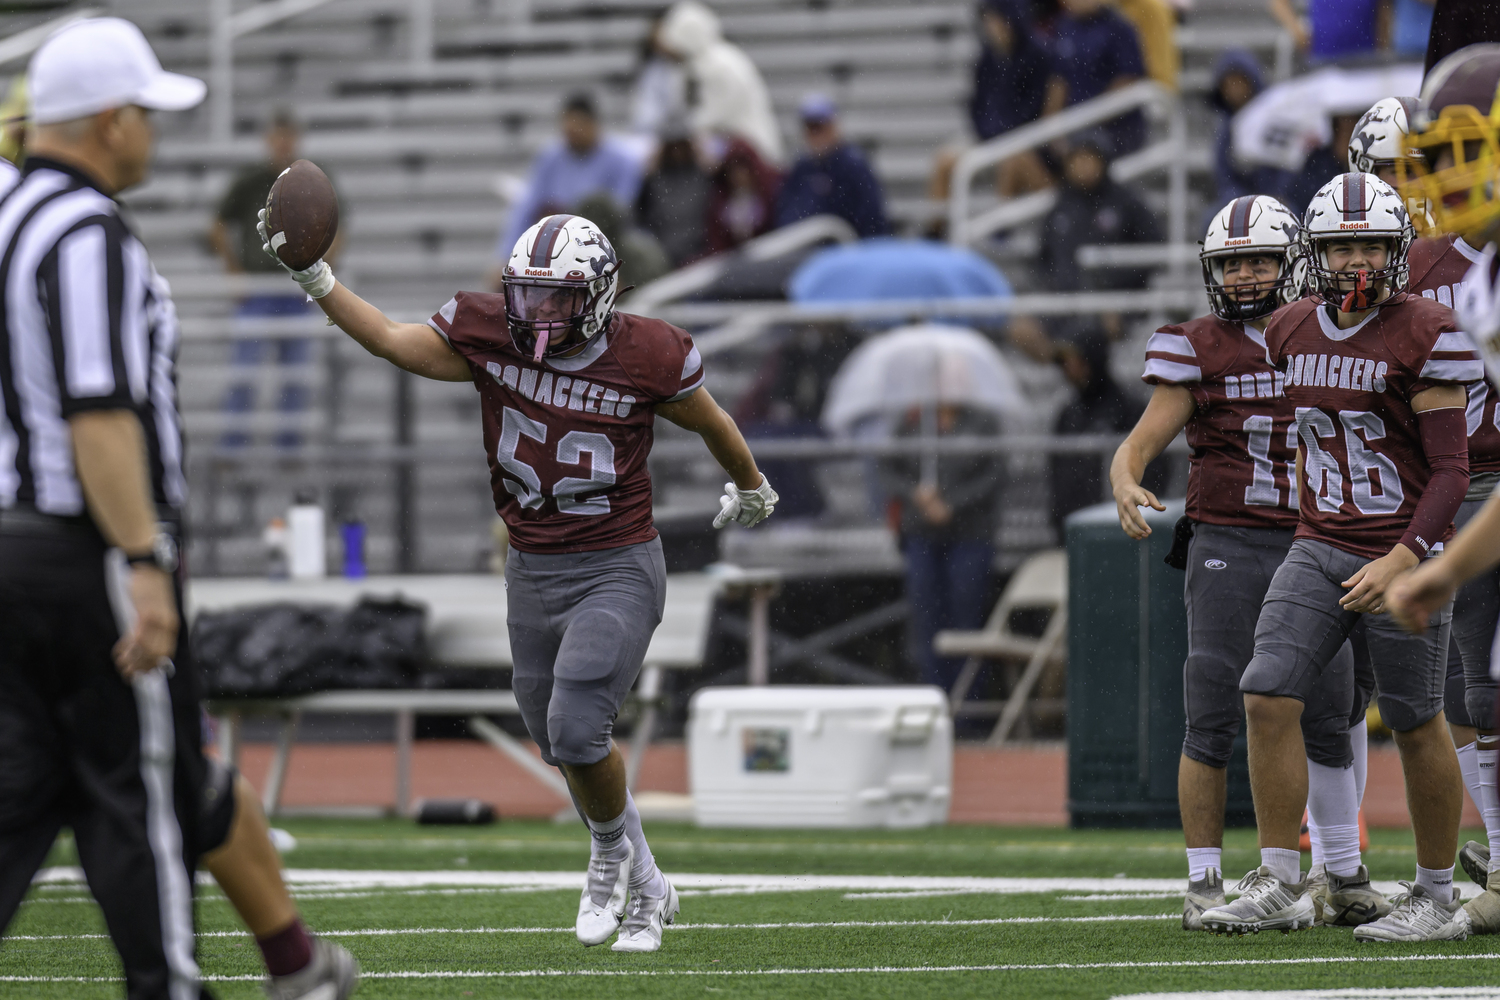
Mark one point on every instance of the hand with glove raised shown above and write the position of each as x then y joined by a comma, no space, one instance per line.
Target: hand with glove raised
746,507
317,280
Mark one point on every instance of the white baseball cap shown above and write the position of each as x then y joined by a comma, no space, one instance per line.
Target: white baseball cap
99,63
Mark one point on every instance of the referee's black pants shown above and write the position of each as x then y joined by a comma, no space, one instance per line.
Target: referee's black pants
117,762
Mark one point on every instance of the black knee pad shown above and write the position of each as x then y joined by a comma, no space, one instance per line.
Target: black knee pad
1399,717
216,808
1327,741
1480,701
1212,748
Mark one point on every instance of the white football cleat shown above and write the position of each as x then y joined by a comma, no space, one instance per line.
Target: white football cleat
1266,904
648,915
1418,916
331,975
602,905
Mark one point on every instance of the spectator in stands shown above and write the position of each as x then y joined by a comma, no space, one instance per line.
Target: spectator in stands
1011,83
1097,51
1092,209
1155,24
234,238
641,257
730,97
660,96
1322,165
947,529
786,400
742,197
1100,407
582,162
673,203
1236,79
1411,28
832,177
1326,30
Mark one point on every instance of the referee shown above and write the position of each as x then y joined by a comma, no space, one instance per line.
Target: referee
99,727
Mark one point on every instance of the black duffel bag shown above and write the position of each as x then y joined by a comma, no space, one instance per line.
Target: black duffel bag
286,649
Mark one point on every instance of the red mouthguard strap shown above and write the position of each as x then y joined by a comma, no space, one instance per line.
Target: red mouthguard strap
545,335
1357,299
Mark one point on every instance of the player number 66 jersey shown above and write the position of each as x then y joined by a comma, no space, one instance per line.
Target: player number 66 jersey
567,438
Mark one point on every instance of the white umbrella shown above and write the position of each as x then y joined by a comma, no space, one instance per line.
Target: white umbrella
927,365
1285,122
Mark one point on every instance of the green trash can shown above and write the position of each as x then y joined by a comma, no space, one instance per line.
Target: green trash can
1127,641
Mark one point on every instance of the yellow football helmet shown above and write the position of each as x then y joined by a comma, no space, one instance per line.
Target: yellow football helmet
1457,132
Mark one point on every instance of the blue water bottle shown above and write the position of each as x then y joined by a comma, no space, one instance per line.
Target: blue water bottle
354,549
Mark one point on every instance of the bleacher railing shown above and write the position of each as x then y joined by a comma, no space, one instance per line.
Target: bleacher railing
966,227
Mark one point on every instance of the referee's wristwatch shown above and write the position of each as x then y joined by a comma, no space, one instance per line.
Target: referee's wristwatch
162,554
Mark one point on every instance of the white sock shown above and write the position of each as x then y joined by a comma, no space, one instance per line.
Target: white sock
1333,818
1489,802
643,869
1438,881
1359,745
1468,765
1284,864
609,835
1201,859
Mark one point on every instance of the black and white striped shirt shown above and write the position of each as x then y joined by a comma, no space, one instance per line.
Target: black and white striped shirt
86,323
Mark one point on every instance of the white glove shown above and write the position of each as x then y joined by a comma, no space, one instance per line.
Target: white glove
317,281
746,507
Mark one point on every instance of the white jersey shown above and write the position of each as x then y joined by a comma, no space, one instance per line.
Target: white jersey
1476,303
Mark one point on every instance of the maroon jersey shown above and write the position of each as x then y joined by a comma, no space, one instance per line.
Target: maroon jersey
567,438
1351,392
1242,436
1438,269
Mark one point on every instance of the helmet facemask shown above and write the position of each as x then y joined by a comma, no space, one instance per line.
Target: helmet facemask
1368,286
549,318
1231,303
1456,178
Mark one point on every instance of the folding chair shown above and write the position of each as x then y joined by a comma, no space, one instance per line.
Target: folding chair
1041,583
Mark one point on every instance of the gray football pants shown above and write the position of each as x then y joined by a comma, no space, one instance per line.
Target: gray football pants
1302,627
579,627
1229,570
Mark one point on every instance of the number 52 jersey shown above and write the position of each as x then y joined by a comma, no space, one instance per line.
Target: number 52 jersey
567,438
1350,392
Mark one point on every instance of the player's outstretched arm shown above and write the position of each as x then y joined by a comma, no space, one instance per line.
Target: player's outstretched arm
1166,415
749,499
1415,597
416,347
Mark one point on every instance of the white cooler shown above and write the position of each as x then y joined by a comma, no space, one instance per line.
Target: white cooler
820,756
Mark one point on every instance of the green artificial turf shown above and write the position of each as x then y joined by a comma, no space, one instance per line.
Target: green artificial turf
748,958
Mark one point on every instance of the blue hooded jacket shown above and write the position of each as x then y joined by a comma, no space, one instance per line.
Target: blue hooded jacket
1231,180
1009,89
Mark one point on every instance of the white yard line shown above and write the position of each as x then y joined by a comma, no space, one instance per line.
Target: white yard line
828,970
1362,993
333,879
794,925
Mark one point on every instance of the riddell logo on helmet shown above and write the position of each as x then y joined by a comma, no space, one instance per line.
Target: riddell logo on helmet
1238,243
1354,225
530,273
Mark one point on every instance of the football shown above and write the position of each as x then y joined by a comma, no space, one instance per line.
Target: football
302,215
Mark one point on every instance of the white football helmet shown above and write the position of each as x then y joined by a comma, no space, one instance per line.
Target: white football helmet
1379,138
560,285
1356,206
1254,225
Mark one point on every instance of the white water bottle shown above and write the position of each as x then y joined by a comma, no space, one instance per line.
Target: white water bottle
308,557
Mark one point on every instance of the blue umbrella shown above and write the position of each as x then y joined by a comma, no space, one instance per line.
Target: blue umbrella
890,268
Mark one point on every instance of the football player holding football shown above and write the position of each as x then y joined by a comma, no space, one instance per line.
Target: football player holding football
1211,377
569,391
1376,378
1458,133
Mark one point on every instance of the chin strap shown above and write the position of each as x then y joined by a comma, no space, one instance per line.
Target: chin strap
545,335
1357,299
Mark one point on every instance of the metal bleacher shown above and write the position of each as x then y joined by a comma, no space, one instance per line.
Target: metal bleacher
420,143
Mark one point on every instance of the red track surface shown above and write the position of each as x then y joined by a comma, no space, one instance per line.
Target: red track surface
1022,786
